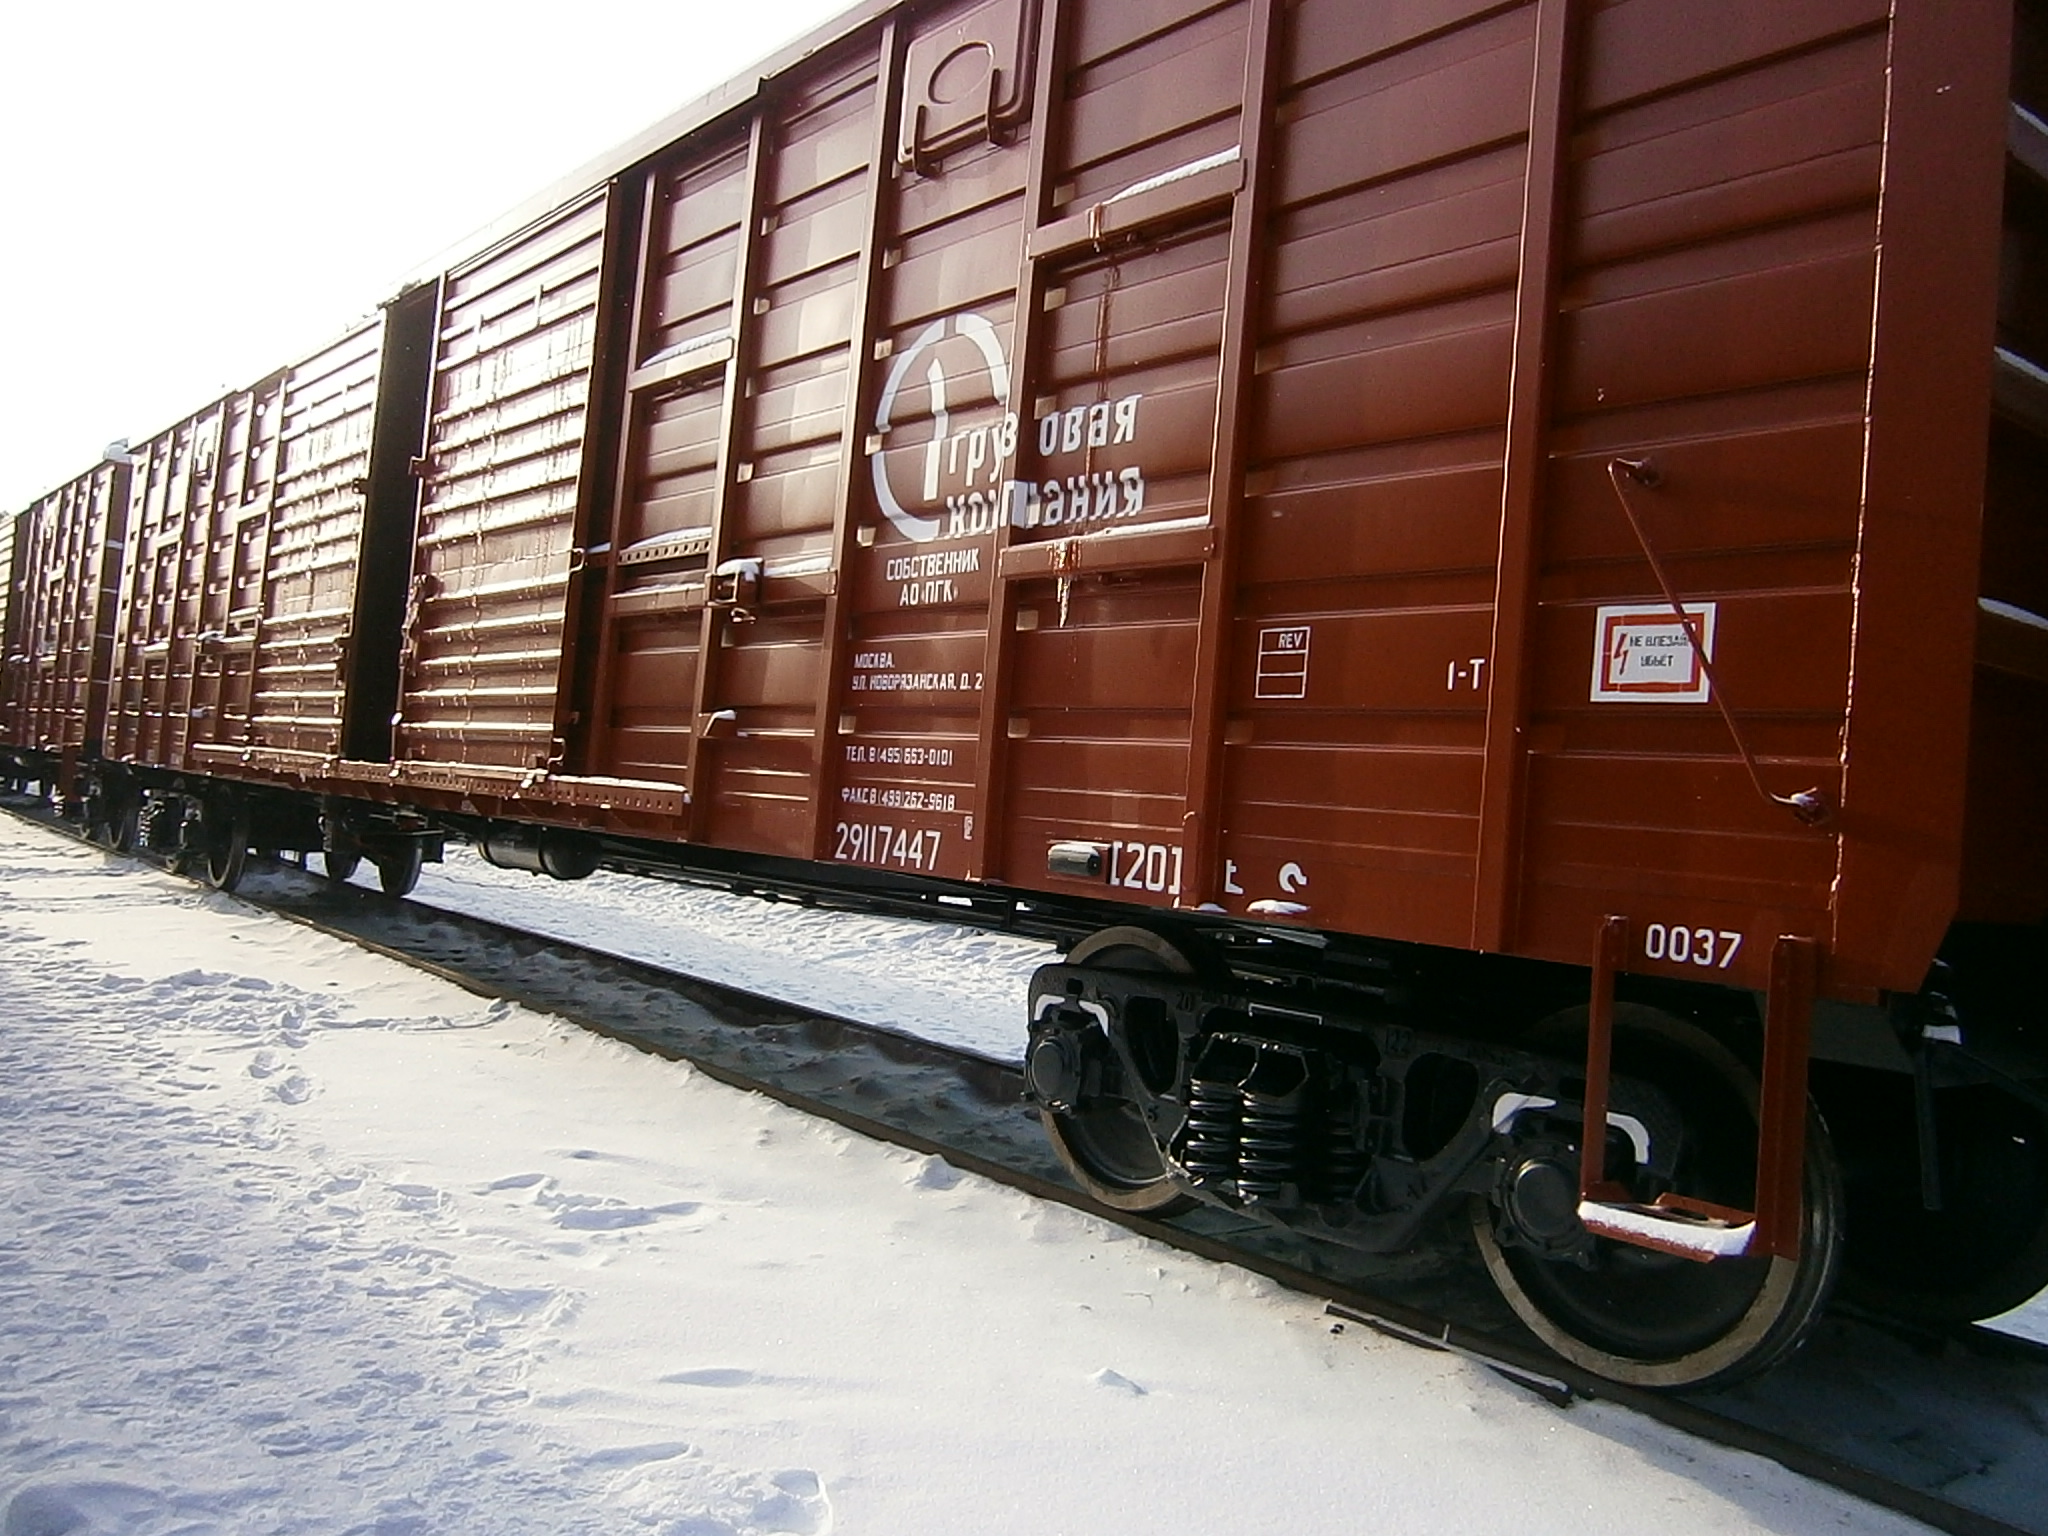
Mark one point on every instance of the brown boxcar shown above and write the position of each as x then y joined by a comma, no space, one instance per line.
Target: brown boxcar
64,563
1271,543
256,636
181,661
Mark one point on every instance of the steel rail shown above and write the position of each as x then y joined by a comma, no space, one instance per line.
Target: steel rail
353,913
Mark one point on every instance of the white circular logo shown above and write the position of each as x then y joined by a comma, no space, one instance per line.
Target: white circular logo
928,351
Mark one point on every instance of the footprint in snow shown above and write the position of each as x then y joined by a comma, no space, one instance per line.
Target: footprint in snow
266,1063
516,1181
711,1376
62,1508
500,1305
601,1218
1116,1381
794,1505
295,1089
635,1455
596,1213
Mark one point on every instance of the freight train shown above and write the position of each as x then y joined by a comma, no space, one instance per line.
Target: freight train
1487,557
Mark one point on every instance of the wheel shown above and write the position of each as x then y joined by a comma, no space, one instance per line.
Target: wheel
126,825
226,826
398,871
1651,1319
1106,1145
340,867
102,815
1986,1250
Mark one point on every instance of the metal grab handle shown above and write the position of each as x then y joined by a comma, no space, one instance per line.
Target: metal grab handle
1810,807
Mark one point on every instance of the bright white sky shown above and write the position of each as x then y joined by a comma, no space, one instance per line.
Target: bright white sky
198,191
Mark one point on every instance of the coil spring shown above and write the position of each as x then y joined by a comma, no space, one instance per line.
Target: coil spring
1271,1154
1214,1118
159,824
1342,1164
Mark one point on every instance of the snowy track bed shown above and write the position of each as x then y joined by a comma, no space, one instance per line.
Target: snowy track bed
299,1240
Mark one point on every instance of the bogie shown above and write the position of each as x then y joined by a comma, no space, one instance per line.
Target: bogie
1317,1112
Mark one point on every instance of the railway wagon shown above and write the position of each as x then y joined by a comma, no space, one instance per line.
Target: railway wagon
1491,551
63,563
242,624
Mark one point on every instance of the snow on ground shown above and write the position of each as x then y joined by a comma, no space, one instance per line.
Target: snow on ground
943,981
296,1240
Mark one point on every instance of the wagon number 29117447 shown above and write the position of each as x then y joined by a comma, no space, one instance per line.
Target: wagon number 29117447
1708,948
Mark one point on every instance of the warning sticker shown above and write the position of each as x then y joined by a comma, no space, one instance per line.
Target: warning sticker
1283,664
1642,653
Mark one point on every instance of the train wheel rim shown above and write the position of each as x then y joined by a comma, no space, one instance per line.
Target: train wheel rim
1986,1250
400,872
1112,1156
1654,1320
1108,1147
126,826
227,846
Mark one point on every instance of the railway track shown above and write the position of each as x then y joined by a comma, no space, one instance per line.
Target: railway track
1947,1429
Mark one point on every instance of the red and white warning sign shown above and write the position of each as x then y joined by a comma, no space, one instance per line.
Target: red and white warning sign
1642,654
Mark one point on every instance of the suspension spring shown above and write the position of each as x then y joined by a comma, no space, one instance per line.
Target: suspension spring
160,823
1213,1128
1273,1146
1342,1163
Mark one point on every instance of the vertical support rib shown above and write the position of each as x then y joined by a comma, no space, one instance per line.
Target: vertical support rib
1201,818
984,860
1610,953
1781,1106
860,349
265,551
192,563
107,607
605,409
731,424
1497,870
1906,742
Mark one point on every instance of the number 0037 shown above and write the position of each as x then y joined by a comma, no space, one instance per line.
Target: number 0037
1708,948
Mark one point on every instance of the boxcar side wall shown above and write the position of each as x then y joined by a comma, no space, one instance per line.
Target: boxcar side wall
239,592
310,556
67,546
184,668
1190,432
14,542
510,393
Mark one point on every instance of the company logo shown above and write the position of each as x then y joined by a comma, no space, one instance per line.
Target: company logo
970,463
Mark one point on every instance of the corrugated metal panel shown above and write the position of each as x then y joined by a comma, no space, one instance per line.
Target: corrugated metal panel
236,513
510,398
188,609
58,614
156,630
307,594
